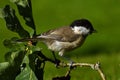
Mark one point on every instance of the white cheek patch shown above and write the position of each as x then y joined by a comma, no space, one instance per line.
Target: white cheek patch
81,30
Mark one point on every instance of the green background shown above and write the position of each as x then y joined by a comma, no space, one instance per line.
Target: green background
102,46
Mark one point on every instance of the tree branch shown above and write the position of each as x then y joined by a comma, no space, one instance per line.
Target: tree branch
95,66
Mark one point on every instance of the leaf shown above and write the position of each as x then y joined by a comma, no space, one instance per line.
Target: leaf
25,10
1,13
27,73
3,66
37,65
9,43
13,23
8,56
9,70
13,45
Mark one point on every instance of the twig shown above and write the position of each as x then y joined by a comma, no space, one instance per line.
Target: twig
93,66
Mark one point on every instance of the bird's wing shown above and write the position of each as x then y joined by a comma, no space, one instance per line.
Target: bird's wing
64,34
51,36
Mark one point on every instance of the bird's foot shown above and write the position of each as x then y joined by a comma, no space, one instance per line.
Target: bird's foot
71,65
57,62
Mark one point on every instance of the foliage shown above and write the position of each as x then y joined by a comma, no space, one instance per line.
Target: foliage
23,61
105,18
18,65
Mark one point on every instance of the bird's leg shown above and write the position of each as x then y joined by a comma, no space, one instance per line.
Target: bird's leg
56,60
68,59
71,61
54,55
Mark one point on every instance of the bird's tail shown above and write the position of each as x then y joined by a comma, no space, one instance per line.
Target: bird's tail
28,39
35,39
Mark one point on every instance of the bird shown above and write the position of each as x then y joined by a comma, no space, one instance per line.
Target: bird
66,38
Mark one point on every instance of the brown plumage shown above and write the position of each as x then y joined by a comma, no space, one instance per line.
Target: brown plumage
62,39
65,38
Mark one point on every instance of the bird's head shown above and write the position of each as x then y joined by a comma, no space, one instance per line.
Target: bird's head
82,26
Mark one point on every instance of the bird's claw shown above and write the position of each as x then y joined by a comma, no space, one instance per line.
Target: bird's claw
71,65
57,62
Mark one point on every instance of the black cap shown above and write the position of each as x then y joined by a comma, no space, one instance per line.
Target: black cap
84,23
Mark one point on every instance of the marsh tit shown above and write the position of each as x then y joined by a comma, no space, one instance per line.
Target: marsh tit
66,38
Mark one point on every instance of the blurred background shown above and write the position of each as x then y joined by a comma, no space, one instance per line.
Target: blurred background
102,46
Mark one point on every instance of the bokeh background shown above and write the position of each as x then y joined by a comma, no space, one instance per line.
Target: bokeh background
103,46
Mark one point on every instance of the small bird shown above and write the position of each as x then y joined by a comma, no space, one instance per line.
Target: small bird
66,38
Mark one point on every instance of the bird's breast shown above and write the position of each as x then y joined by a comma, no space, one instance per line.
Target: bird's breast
66,46
55,46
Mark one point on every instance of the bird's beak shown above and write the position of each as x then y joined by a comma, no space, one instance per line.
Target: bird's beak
94,31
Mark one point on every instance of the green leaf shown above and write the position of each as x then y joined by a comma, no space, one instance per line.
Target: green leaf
27,73
37,64
8,56
3,66
13,23
25,10
9,43
9,70
13,45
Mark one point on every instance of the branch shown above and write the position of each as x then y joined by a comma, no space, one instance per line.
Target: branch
93,66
